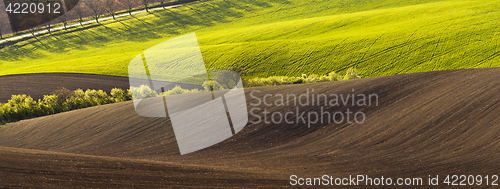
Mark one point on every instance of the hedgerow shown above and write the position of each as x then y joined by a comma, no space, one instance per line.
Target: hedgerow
23,106
352,73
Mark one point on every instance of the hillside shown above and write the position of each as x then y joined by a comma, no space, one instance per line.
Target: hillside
428,123
61,170
282,37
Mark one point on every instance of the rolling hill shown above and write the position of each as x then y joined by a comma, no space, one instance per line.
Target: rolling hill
427,123
282,37
432,123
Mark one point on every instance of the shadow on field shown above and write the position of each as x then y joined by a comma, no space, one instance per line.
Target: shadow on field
135,28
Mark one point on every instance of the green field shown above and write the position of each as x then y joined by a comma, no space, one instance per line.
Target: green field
282,37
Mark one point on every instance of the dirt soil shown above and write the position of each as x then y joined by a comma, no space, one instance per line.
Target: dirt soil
434,123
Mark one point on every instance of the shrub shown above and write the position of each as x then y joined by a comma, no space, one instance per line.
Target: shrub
51,104
79,93
3,112
64,94
142,92
88,98
271,81
23,106
76,101
175,90
313,78
178,90
95,98
7,110
332,76
225,79
212,85
120,95
352,73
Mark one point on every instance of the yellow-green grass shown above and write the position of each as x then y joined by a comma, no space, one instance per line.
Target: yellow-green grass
282,37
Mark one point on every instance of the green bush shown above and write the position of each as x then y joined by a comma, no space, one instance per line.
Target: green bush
51,104
352,73
23,106
76,101
272,81
143,92
95,98
120,95
178,90
313,78
332,76
212,85
5,111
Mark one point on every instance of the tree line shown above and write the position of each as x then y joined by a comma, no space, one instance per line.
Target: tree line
77,11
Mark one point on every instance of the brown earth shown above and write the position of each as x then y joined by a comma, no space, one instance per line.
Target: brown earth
35,169
433,123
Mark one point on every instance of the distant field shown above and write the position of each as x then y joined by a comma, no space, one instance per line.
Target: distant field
282,37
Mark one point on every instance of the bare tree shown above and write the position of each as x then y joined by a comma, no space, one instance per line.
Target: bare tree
32,31
49,23
31,21
129,5
86,8
70,15
146,4
81,11
162,2
112,7
16,22
47,26
64,20
48,18
96,8
3,25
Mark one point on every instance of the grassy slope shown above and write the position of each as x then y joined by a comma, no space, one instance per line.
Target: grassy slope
284,37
